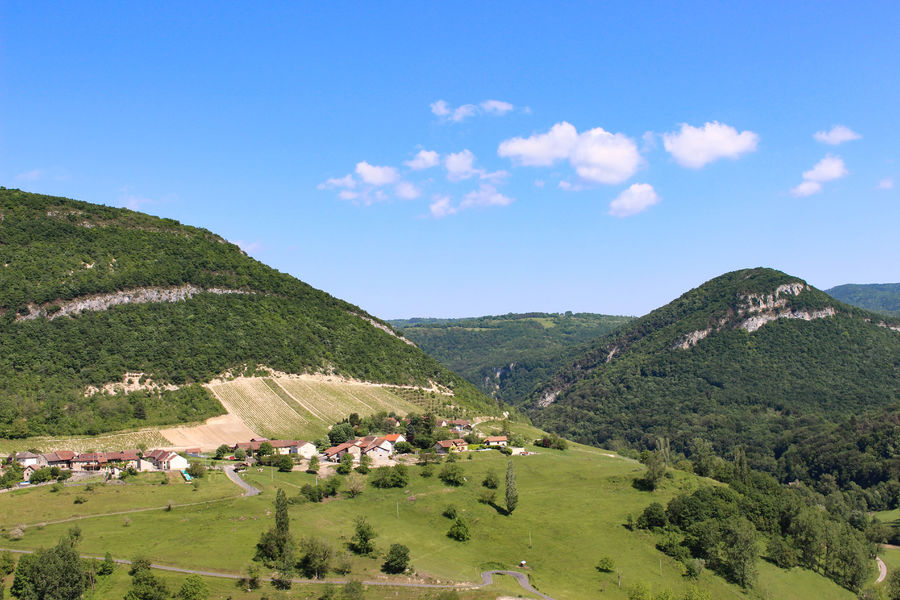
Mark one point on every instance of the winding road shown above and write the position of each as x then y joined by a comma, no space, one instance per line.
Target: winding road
487,577
882,570
249,490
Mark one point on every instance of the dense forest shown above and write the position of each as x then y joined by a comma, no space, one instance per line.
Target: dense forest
53,250
878,297
508,356
805,397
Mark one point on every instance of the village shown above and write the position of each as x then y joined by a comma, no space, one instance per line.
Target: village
378,449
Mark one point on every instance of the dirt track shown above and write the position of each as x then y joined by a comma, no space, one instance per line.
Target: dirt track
225,429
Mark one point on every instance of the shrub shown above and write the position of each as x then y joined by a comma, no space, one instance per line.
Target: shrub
346,464
653,516
606,564
397,559
491,480
403,448
363,536
427,471
449,511
80,500
459,531
285,464
56,487
313,466
390,477
453,474
487,496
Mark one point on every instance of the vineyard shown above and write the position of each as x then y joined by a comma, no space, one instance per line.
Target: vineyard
148,438
261,409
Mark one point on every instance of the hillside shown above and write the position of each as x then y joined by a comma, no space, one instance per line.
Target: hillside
877,297
507,356
754,357
110,319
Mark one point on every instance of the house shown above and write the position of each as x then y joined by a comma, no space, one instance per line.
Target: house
395,438
89,461
379,447
251,446
28,458
60,458
391,422
306,449
335,453
28,471
128,458
495,441
457,445
166,460
460,425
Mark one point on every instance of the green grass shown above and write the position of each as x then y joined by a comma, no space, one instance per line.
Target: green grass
39,504
571,509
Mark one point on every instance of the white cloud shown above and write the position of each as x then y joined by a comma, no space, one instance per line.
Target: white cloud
886,184
541,150
837,135
596,155
407,191
827,169
32,175
442,109
807,188
497,107
441,206
486,195
495,176
637,198
695,147
374,175
460,165
348,195
346,182
425,159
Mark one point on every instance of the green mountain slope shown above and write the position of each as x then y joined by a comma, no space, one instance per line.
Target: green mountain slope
507,356
878,297
89,293
734,361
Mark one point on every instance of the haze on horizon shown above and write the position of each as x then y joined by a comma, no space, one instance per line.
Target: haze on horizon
463,160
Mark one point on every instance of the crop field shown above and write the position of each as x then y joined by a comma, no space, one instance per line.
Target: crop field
260,408
149,438
572,506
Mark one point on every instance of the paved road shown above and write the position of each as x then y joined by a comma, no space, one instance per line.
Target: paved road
249,490
486,577
882,570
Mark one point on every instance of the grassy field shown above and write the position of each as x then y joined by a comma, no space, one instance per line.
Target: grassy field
572,506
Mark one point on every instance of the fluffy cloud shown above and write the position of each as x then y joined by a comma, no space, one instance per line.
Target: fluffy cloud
441,206
486,195
374,175
886,184
597,155
460,165
442,109
346,182
407,191
695,147
827,169
837,135
425,159
637,198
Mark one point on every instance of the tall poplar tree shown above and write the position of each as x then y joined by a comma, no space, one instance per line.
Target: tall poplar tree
512,493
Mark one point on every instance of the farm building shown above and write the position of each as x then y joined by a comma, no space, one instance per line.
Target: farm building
495,440
89,461
335,453
299,447
395,438
27,458
60,458
376,447
445,446
166,460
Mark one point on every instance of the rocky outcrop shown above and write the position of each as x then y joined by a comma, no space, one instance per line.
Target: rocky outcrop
99,302
384,328
755,322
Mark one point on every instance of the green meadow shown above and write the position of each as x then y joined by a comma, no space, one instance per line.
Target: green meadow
572,509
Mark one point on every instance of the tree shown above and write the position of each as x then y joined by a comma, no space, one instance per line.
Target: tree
265,449
512,493
196,470
893,585
222,451
740,551
145,586
275,546
459,531
7,563
54,574
652,516
606,564
285,464
363,536
656,470
107,566
340,433
240,454
453,474
491,480
365,462
315,557
355,485
313,466
352,590
193,588
346,464
397,559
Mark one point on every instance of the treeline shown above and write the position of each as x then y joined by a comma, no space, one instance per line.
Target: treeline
507,356
727,529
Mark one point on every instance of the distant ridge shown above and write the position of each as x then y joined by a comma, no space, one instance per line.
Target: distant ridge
877,297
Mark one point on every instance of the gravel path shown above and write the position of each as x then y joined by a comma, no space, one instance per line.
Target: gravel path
487,577
882,570
249,490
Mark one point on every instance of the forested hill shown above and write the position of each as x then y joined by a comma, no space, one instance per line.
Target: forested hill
749,358
89,293
877,297
507,356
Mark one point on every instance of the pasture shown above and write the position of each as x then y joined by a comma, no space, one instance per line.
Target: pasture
572,507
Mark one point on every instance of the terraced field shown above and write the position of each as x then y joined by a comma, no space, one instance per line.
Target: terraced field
149,438
300,407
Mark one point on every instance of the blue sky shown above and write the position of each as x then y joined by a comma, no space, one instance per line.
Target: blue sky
460,159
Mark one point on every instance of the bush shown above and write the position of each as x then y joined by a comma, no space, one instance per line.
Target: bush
427,471
449,511
56,487
653,516
606,564
459,531
346,464
453,474
491,480
363,536
390,477
285,464
80,500
487,496
313,466
403,448
397,559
